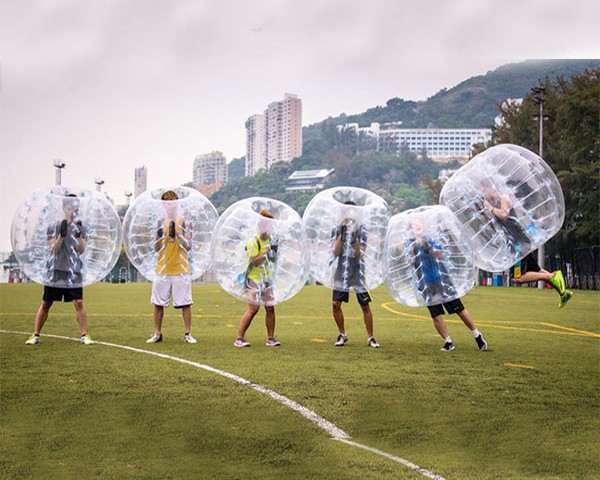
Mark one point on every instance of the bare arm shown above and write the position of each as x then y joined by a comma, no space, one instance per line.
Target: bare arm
502,211
55,244
185,236
80,247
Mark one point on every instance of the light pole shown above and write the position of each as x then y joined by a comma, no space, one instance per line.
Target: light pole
59,165
538,97
99,182
128,197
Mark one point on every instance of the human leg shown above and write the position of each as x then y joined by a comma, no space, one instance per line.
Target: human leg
42,315
437,315
440,325
364,300
81,315
181,289
530,277
161,296
367,318
158,315
456,306
270,321
338,316
247,318
186,313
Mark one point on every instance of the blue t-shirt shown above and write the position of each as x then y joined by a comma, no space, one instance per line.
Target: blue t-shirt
426,260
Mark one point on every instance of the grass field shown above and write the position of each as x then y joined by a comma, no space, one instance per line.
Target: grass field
529,407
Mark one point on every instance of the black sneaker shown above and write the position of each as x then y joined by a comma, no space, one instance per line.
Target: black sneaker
481,343
341,340
448,347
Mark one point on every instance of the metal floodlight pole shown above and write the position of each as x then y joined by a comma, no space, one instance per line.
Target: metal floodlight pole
539,98
59,165
128,197
99,182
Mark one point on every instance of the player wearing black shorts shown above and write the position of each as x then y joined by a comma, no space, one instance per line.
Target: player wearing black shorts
66,241
457,307
428,262
349,241
532,272
501,207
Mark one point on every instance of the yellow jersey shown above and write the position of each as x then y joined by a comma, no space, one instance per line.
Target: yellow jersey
257,246
173,258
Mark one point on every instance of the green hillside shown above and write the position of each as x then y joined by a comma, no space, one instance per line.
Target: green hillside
404,181
470,104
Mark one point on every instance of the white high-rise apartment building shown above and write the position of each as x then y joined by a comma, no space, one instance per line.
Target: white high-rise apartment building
441,144
256,144
275,136
210,169
140,181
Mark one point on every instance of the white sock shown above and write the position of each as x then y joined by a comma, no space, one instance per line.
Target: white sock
448,339
476,333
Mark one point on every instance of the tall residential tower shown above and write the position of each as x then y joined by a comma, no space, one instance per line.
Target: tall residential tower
140,181
210,172
275,136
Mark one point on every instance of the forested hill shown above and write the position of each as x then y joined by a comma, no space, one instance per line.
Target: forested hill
404,181
470,104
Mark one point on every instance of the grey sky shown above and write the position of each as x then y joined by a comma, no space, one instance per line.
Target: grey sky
110,85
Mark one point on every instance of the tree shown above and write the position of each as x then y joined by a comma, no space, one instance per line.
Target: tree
571,149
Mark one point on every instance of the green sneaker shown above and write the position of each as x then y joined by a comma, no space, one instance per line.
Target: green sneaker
558,281
565,298
87,340
33,340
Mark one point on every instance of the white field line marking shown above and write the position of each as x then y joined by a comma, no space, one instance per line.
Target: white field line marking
333,430
394,458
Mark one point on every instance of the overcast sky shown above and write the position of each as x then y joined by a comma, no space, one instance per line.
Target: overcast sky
109,85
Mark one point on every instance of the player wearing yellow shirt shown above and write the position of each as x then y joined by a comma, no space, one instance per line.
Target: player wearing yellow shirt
172,242
262,253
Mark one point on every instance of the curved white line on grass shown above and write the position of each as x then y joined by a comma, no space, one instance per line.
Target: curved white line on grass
336,432
394,458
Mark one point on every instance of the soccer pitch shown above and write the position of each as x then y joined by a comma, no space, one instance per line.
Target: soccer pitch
123,409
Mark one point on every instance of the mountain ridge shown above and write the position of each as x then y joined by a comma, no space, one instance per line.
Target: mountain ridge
472,103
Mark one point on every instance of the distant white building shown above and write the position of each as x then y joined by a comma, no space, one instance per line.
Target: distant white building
274,136
140,181
256,144
308,180
441,144
210,172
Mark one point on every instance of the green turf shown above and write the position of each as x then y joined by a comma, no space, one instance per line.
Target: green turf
527,408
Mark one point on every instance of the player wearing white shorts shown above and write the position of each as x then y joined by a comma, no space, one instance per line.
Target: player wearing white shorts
172,242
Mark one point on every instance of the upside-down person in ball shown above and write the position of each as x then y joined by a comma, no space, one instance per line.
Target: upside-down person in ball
434,284
67,242
173,240
349,242
501,207
261,251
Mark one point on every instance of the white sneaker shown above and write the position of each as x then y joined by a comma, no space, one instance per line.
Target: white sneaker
189,339
86,340
33,340
372,342
341,340
271,342
241,343
155,338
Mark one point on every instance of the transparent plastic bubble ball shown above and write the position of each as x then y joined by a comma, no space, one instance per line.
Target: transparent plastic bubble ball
170,237
345,229
242,233
428,258
66,241
509,202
